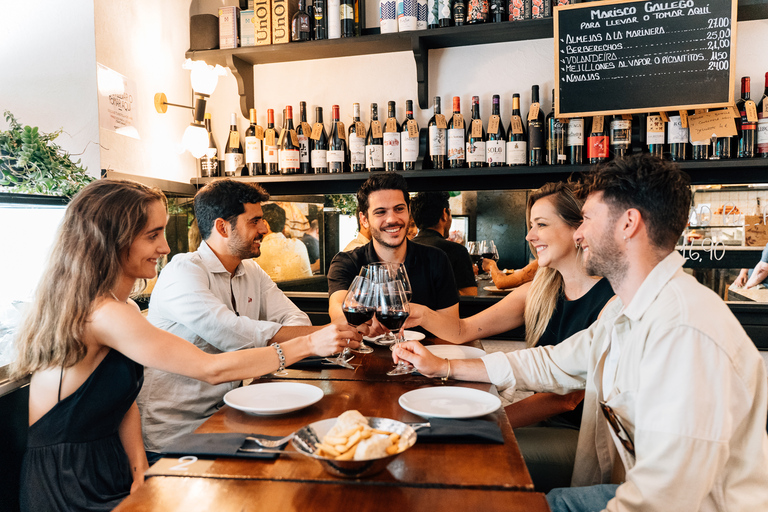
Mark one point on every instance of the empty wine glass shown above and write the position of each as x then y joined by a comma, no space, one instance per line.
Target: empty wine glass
392,309
359,306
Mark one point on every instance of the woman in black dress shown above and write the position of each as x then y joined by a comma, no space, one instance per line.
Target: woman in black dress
85,344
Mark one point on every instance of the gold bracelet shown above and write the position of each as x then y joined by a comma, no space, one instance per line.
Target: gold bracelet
447,375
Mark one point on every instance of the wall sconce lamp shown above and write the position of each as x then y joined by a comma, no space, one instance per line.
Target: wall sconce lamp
204,78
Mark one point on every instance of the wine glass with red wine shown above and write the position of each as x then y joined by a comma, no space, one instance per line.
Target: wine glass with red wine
359,306
392,310
487,249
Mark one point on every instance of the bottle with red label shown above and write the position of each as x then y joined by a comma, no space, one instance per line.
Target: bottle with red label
762,123
597,143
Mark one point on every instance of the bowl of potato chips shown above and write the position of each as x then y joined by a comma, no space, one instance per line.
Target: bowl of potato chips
352,445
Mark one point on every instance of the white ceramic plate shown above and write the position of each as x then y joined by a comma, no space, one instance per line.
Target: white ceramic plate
272,398
493,289
408,335
455,351
449,402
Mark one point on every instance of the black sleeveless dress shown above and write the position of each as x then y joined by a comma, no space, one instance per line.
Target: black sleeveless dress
74,458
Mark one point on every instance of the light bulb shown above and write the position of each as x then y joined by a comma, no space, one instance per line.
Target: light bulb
204,77
195,140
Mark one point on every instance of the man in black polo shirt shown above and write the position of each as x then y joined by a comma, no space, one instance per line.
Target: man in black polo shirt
383,205
432,215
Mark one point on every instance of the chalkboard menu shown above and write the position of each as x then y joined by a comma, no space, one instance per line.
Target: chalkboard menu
623,57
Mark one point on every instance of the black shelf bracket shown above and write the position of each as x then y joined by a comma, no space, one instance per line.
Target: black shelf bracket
421,56
243,72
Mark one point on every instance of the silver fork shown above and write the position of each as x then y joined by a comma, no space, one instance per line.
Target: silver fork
270,443
418,426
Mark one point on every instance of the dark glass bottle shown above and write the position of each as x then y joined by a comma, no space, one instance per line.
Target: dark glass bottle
233,151
747,131
253,158
320,19
445,13
374,143
391,140
477,11
356,142
498,11
536,135
455,137
300,23
409,145
289,149
209,162
271,161
699,148
475,138
302,133
337,146
517,145
437,140
621,137
347,11
496,145
459,12
556,133
597,143
762,123
319,147
655,135
677,139
575,140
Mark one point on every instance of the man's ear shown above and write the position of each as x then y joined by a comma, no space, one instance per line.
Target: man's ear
364,220
446,214
222,227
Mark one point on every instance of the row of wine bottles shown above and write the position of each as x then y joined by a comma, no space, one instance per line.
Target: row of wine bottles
453,143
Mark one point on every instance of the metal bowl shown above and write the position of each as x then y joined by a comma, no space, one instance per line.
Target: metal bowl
305,439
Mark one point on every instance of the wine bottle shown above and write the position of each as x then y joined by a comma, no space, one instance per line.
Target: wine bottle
436,128
699,148
333,15
374,143
455,137
432,14
356,141
233,151
496,145
253,136
475,137
477,11
408,143
391,140
270,145
459,12
303,131
556,133
654,134
575,140
347,18
597,142
288,154
621,136
762,123
498,11
209,162
677,138
320,19
300,23
536,133
517,146
444,13
746,126
337,146
319,144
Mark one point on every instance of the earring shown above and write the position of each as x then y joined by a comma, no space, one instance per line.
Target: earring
578,246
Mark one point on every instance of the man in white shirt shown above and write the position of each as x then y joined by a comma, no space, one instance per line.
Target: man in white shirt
219,299
283,259
676,393
362,238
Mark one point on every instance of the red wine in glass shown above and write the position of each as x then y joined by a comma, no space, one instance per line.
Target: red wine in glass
358,316
392,320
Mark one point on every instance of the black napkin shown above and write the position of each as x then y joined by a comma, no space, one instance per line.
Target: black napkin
209,446
313,363
461,431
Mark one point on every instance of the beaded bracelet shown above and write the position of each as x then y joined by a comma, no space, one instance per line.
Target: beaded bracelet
447,375
280,356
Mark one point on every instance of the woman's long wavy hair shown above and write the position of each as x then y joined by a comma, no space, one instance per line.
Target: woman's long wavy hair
99,226
547,284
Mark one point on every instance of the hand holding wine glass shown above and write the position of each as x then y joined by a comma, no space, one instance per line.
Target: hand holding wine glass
359,307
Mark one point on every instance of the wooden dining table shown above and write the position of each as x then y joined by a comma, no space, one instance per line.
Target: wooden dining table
439,475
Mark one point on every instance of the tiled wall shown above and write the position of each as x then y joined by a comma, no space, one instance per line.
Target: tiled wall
746,201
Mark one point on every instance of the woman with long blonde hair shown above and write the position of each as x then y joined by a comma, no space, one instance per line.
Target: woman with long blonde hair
560,301
85,344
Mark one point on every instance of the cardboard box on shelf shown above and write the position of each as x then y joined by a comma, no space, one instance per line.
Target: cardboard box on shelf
262,21
247,32
282,14
228,29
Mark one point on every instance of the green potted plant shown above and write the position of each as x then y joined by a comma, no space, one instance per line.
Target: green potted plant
31,163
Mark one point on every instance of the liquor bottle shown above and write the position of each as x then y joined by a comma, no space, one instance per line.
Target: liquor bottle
498,11
289,147
409,145
374,143
575,140
699,148
762,123
319,144
459,12
475,137
496,145
556,133
300,23
654,135
535,130
597,142
677,138
233,151
621,136
253,136
303,131
745,127
455,137
432,14
337,146
444,13
391,139
270,145
477,11
356,142
436,128
320,19
209,162
333,15
347,18
517,146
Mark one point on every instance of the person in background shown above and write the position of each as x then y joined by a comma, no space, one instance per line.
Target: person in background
383,205
311,240
562,300
219,300
282,258
363,235
85,343
676,392
413,230
502,280
749,278
432,214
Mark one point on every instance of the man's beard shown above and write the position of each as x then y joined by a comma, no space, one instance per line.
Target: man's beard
376,234
242,248
605,259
